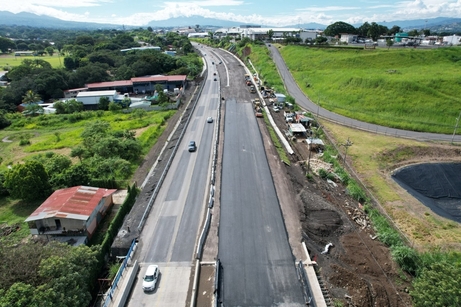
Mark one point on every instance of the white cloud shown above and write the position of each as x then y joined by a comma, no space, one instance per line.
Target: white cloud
328,8
403,10
205,3
17,6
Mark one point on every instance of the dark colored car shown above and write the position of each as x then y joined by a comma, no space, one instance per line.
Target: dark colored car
192,146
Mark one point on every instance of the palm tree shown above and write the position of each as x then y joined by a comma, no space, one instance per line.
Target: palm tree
30,99
30,96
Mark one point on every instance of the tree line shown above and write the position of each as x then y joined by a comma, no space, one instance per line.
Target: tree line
96,57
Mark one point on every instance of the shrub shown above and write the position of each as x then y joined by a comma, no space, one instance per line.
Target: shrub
406,257
355,191
24,142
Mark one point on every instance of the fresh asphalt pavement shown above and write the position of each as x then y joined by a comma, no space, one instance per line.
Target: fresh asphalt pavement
170,234
258,265
301,99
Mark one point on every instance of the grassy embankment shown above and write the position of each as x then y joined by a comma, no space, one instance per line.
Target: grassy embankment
42,132
411,89
419,224
9,60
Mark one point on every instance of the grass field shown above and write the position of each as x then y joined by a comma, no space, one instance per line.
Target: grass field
423,228
59,134
9,61
419,224
411,89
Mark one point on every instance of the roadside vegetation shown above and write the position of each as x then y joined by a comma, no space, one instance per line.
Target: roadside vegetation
421,258
41,153
407,88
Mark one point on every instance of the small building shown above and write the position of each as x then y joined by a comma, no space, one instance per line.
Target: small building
280,97
122,86
156,48
147,84
315,144
72,93
304,120
297,130
452,40
308,35
348,38
90,100
71,214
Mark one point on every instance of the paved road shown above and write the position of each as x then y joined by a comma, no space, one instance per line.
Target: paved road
170,234
258,265
301,99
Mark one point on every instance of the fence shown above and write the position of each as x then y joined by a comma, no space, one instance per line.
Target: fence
122,268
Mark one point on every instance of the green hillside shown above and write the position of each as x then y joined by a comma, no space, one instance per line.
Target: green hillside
412,89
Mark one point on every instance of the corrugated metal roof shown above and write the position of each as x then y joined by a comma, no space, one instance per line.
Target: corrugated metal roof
97,93
110,84
75,203
159,78
297,127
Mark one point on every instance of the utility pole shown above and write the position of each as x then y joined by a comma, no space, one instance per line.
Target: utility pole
456,127
309,159
346,145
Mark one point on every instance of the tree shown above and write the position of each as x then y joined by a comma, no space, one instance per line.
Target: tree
389,43
339,27
49,50
71,63
161,98
413,33
394,30
30,97
18,295
6,44
55,166
270,34
28,181
103,103
374,31
320,40
68,107
363,29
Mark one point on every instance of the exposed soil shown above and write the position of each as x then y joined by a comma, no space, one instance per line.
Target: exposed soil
357,270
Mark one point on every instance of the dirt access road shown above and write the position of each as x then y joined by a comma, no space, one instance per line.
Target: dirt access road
357,270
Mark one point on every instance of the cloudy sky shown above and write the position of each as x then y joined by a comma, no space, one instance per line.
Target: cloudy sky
265,12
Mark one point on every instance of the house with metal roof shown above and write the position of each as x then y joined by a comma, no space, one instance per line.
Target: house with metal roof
71,214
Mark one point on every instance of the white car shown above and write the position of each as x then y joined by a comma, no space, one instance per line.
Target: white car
150,278
209,120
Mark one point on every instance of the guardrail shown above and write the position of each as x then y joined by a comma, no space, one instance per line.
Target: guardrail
308,297
119,274
167,167
217,276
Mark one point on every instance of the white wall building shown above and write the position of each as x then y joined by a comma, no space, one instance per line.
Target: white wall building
255,33
452,39
92,98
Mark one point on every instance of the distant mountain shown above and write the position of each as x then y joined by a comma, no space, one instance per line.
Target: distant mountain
420,24
192,22
42,21
32,20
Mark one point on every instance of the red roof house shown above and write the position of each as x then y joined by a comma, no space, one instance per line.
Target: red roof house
74,212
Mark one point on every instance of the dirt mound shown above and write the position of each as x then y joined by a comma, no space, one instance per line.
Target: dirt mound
321,223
